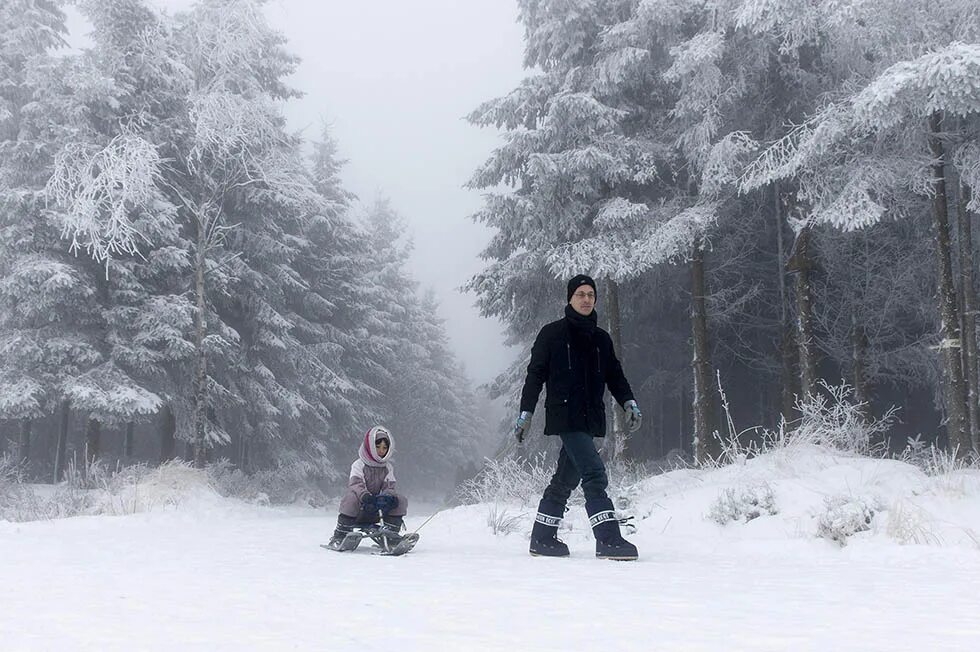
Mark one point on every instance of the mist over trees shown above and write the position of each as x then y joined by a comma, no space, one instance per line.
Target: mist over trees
772,196
179,277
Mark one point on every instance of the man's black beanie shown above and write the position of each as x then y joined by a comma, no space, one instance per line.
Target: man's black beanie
577,282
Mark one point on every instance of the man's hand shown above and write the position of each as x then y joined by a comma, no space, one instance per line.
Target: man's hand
633,415
522,425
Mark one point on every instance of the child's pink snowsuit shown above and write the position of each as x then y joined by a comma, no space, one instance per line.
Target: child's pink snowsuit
371,474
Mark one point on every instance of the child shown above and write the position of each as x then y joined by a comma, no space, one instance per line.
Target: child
371,488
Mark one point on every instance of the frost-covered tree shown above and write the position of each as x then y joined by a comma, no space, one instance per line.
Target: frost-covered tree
235,149
887,134
873,304
745,70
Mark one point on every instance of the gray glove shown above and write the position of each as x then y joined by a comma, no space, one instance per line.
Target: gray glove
522,425
633,415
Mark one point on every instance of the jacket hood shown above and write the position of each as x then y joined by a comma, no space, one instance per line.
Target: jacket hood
369,446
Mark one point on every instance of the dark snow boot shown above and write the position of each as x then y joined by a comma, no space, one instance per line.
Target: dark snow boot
609,543
544,541
393,523
345,525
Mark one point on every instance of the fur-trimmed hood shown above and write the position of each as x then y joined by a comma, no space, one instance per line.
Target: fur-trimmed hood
368,453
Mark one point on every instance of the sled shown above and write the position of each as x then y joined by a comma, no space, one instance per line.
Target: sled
390,543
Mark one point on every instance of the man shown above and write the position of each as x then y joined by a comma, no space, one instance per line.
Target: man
576,360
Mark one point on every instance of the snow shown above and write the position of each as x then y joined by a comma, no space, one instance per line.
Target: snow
210,573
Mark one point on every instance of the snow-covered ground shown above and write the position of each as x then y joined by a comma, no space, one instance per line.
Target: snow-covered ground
217,574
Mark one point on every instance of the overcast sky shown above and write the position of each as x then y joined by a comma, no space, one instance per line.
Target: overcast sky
394,79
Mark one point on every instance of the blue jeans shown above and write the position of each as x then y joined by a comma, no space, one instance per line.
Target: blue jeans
578,461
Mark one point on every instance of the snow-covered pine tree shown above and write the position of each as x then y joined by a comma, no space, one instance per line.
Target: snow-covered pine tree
391,293
431,400
591,175
426,398
331,306
29,31
146,310
209,82
57,301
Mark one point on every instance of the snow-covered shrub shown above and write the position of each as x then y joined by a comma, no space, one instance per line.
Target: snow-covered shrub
944,467
501,521
282,486
68,500
95,474
917,453
625,483
507,481
910,524
22,505
128,490
845,515
289,486
735,448
674,460
140,488
743,503
231,482
835,420
17,502
11,474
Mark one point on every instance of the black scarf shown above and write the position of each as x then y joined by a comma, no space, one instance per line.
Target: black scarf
581,327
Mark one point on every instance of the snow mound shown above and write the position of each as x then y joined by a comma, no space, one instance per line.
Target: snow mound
804,493
165,487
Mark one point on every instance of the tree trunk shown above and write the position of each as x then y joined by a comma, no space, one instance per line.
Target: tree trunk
968,315
62,447
706,444
168,443
24,449
93,440
243,452
787,345
803,264
859,353
681,412
128,441
245,442
790,375
617,442
661,425
201,372
950,343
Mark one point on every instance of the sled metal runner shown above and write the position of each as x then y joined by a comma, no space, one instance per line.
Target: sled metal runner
391,544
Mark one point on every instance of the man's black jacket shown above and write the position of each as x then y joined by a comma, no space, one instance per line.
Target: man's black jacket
576,368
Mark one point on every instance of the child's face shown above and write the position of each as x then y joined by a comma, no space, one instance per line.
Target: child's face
382,445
